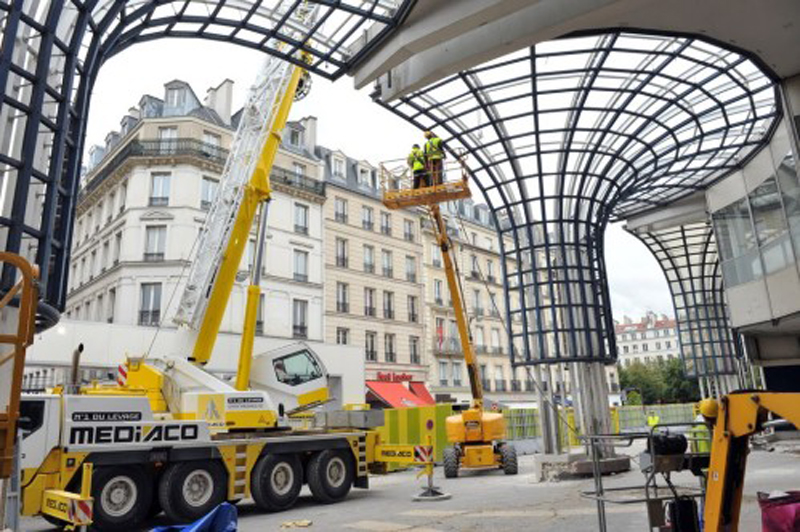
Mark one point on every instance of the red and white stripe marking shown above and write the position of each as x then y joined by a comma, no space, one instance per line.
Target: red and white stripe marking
122,375
423,453
80,512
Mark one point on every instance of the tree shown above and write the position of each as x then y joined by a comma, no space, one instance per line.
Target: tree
660,382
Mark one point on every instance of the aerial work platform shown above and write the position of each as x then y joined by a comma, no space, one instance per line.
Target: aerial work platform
399,191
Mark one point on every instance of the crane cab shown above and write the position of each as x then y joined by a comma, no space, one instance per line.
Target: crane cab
399,192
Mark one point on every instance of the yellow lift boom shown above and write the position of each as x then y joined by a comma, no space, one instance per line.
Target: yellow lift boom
476,435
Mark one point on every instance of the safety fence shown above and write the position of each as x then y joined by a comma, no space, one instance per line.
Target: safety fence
414,425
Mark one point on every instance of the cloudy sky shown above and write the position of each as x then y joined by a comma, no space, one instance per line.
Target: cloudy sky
348,120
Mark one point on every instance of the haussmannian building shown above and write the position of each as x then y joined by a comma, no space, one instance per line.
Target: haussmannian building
653,338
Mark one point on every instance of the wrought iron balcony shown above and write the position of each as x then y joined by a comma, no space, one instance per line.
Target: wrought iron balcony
409,237
388,313
369,267
342,306
341,261
411,277
386,230
371,355
500,385
413,317
300,331
340,217
516,386
154,257
158,201
388,272
486,384
301,277
368,225
149,318
301,182
301,229
369,311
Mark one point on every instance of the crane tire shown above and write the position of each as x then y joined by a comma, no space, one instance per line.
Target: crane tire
330,475
122,497
451,464
189,490
276,481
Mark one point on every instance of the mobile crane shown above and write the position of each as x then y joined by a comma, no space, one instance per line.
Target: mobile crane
171,436
475,434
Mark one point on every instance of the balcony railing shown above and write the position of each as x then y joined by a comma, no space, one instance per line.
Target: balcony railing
480,348
369,226
369,311
446,345
301,277
371,355
299,181
388,313
516,386
491,278
301,229
342,306
529,386
413,317
439,301
340,217
409,237
478,311
159,201
300,331
436,263
486,384
205,205
475,274
341,261
497,350
443,382
391,356
386,230
154,257
411,277
369,267
457,384
149,318
493,313
388,272
157,148
499,385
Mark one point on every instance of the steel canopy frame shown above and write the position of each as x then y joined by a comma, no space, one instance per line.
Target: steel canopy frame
688,256
568,135
51,53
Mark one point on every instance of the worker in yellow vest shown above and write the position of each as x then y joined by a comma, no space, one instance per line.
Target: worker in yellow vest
416,161
434,155
653,419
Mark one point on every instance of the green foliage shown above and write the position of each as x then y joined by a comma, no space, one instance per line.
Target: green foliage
633,398
659,382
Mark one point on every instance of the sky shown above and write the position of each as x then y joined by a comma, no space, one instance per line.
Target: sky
347,120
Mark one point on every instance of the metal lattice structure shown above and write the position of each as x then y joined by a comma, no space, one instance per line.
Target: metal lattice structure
688,256
50,56
570,134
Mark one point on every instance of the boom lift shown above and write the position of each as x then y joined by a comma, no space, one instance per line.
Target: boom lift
171,436
476,435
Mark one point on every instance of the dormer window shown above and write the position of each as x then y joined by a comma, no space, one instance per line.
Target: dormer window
338,167
174,97
363,176
295,138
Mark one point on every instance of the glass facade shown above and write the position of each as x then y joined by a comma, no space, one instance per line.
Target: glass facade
759,234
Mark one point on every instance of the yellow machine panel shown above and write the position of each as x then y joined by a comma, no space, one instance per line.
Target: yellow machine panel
479,456
475,426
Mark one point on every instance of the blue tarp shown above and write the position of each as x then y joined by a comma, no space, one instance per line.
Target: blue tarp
220,519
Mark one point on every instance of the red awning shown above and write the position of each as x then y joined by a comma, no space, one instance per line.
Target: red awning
419,389
394,394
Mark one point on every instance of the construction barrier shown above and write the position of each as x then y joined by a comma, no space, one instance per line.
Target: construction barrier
413,426
633,418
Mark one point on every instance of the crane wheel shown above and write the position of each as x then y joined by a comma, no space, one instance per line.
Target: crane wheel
189,490
276,481
508,458
330,475
122,497
451,462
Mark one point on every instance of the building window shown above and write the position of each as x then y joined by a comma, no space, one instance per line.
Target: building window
635,348
123,194
443,373
369,259
341,253
408,230
413,315
437,291
159,189
436,256
105,258
477,305
391,355
388,305
363,176
208,192
338,167
411,269
490,271
155,243
112,303
625,349
369,302
212,139
367,218
644,347
300,318
295,138
386,259
499,379
476,272
342,336
299,170
413,349
150,304
168,139
668,344
386,223
658,346
370,346
495,338
340,210
342,299
301,218
457,371
301,266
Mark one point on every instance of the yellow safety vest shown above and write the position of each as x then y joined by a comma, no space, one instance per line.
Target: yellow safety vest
416,159
433,148
652,421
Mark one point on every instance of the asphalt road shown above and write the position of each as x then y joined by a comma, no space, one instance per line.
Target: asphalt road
493,501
